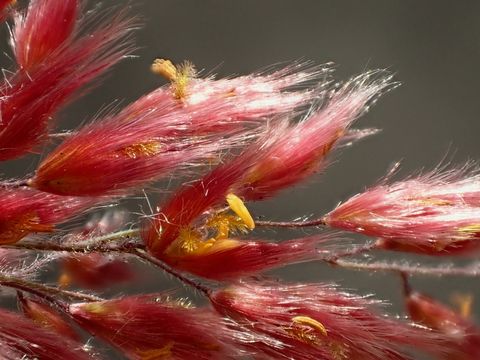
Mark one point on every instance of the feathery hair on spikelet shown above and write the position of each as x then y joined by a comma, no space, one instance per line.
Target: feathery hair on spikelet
56,77
435,214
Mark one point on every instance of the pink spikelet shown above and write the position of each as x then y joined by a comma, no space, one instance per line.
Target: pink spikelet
434,214
160,132
25,211
21,338
44,29
292,153
5,7
227,259
315,321
46,317
56,76
463,334
158,327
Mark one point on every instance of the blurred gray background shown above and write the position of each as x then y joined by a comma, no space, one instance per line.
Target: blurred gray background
433,47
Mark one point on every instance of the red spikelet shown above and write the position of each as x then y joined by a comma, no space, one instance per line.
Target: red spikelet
434,214
25,211
46,317
292,153
44,29
21,338
191,201
41,92
224,259
157,327
463,334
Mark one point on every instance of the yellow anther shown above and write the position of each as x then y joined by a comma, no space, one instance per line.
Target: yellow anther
312,323
470,229
430,201
145,149
179,75
164,68
157,354
95,308
239,208
64,281
464,303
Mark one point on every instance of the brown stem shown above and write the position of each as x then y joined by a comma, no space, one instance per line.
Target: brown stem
45,292
292,224
81,247
472,271
149,258
352,252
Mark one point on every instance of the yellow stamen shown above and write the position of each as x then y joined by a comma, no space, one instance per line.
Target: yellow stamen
186,72
239,208
179,75
164,68
308,321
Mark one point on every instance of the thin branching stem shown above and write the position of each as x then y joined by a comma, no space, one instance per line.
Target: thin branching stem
291,224
48,293
467,271
185,280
